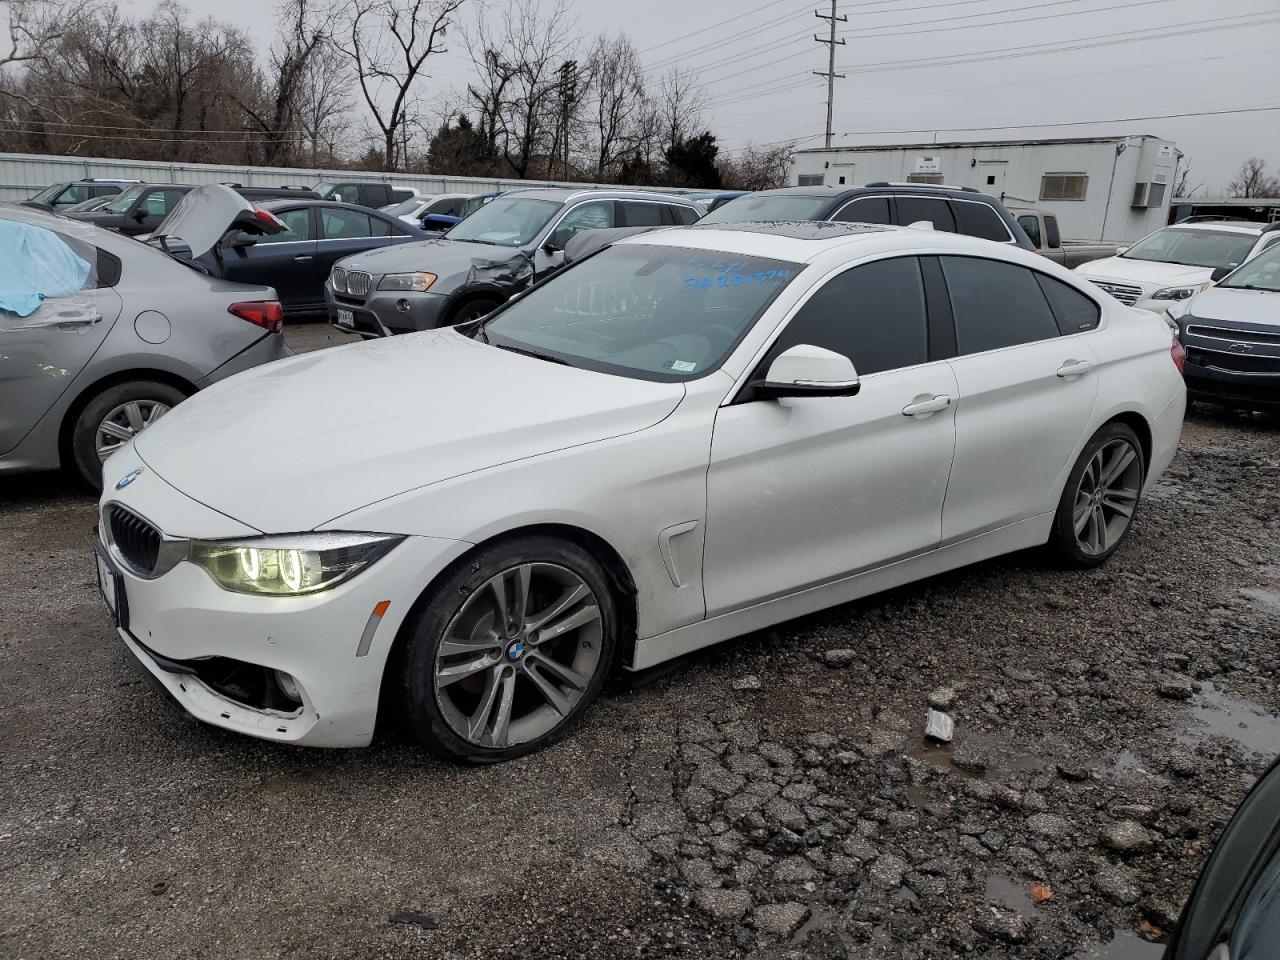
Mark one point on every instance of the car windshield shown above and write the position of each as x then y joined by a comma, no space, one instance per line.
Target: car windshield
1194,248
122,201
759,208
507,221
472,204
48,193
405,207
644,311
1260,273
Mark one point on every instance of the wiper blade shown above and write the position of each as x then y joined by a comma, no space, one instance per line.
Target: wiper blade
532,353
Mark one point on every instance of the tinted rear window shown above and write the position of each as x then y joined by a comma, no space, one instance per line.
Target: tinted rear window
995,304
933,209
1074,311
979,220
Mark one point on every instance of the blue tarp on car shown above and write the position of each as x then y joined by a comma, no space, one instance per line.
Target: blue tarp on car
36,264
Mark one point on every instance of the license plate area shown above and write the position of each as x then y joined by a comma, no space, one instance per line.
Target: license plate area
111,585
346,319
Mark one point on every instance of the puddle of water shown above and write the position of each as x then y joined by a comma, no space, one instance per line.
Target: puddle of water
819,919
1268,598
1126,945
1002,760
939,755
1217,714
1010,893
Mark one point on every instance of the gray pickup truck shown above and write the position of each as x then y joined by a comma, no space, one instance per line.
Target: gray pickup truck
1042,228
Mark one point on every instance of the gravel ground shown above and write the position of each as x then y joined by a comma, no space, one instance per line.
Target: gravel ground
771,798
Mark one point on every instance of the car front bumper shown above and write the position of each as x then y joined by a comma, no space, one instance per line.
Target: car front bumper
1251,390
185,629
384,314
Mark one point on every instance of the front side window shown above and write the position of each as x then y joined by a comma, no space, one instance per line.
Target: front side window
124,200
655,313
995,304
506,221
75,193
932,209
297,227
1193,247
762,208
873,314
586,216
1260,273
865,210
1031,225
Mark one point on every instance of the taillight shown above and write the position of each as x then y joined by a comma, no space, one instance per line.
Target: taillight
263,215
267,314
1179,354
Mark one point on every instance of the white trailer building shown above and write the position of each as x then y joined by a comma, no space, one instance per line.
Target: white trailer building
1100,188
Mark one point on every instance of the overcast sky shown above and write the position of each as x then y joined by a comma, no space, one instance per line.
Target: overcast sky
1125,58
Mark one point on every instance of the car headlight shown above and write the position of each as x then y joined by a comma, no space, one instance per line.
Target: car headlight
407,281
1179,293
288,565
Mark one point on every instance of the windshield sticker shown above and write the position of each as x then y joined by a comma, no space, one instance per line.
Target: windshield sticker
725,280
682,366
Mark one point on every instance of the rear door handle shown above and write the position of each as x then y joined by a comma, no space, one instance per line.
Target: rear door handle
926,406
303,259
1074,368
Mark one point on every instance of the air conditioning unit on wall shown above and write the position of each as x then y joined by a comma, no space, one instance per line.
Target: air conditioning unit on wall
1148,194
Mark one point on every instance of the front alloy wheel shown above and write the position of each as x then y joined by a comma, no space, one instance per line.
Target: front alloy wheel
509,650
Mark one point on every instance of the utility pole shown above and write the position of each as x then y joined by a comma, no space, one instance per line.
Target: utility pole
830,73
568,97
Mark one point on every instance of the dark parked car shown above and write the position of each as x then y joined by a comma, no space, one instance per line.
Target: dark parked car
952,209
140,208
297,260
1234,910
376,195
712,201
497,251
59,197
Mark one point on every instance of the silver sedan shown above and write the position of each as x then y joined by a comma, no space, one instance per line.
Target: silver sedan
101,335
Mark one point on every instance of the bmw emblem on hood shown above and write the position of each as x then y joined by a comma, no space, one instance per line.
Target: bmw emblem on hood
128,478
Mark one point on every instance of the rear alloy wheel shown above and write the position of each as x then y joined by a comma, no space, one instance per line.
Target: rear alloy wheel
509,651
1102,493
113,418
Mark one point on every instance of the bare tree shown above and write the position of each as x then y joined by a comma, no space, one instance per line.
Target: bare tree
758,168
323,101
681,109
389,42
1252,180
34,27
617,103
278,116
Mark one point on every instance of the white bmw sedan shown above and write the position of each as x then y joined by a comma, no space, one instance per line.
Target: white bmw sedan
692,434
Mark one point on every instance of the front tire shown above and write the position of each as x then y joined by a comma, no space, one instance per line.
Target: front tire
113,418
508,650
1099,500
472,310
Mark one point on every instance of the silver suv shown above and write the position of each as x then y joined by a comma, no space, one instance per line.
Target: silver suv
499,250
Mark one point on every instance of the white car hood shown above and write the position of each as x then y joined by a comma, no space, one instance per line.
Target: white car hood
1147,272
290,445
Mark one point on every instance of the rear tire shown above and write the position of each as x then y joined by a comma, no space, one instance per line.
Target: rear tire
507,651
1100,498
114,417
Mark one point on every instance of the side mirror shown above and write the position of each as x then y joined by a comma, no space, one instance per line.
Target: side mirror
1220,273
556,242
808,371
140,214
238,239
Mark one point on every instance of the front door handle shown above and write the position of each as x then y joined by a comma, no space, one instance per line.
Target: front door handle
926,405
1074,368
303,259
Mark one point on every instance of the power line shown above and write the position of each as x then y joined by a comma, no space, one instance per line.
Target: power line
1069,123
714,26
1000,23
1083,43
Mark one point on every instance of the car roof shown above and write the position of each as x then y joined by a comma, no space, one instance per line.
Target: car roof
879,186
1226,226
802,241
281,203
564,194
